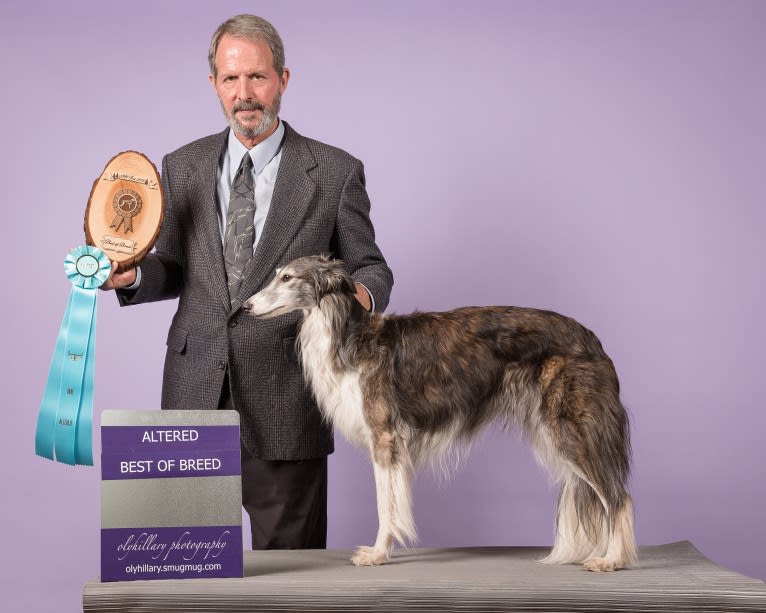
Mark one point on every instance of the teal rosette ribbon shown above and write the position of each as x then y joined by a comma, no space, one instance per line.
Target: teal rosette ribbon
65,420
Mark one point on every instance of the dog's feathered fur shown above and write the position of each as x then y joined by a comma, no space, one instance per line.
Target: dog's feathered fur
409,388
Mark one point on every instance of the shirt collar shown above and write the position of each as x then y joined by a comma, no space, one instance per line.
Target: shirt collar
261,154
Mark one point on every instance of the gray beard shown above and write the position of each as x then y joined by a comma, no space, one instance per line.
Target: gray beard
268,117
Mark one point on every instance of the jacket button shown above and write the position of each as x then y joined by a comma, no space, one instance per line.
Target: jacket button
233,323
221,365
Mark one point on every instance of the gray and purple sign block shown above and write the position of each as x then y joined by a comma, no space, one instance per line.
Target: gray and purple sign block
171,495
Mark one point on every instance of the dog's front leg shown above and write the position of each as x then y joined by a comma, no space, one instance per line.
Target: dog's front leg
380,552
393,483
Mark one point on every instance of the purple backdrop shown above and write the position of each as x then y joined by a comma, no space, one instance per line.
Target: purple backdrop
596,158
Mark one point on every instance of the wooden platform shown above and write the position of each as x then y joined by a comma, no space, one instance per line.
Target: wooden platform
675,578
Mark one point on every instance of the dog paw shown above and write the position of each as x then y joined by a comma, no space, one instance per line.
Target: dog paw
369,556
601,565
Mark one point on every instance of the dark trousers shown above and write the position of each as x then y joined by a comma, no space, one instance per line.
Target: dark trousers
286,500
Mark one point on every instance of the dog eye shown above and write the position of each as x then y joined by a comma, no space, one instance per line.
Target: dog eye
286,278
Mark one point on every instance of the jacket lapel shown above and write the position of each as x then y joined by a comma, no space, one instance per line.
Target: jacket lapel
206,216
293,192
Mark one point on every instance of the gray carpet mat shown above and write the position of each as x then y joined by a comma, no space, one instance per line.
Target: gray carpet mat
674,577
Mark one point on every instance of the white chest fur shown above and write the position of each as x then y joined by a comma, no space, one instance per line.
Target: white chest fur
338,392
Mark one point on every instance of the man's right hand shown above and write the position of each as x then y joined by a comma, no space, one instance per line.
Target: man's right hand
119,280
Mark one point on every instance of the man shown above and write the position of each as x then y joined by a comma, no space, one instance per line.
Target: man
214,251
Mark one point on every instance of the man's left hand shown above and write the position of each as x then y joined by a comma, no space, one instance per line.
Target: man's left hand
363,296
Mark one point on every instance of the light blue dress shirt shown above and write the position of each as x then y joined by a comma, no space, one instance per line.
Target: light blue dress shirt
266,156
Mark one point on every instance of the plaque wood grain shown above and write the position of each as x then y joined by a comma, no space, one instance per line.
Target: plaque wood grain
125,209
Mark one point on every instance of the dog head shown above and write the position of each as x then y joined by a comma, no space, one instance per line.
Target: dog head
301,285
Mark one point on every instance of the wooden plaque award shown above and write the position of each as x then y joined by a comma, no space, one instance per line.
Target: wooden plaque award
125,209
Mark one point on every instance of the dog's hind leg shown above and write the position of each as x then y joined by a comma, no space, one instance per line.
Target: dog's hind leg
591,528
621,551
574,542
583,436
393,484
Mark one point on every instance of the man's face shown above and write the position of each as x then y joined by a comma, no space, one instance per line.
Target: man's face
248,87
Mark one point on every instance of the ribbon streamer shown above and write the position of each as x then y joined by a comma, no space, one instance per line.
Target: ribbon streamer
65,420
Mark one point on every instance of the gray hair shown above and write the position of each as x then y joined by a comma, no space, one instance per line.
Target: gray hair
252,28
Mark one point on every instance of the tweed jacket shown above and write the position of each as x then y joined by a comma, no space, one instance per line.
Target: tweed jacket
319,205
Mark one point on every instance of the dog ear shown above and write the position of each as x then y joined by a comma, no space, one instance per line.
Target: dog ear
331,278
